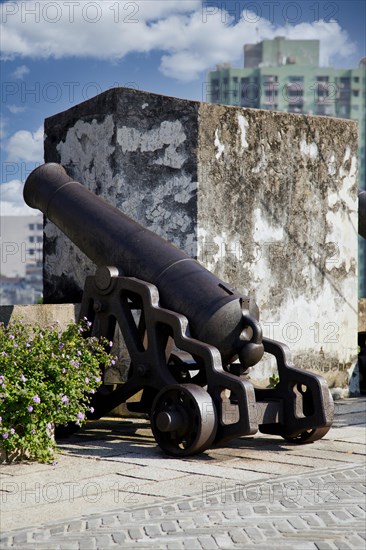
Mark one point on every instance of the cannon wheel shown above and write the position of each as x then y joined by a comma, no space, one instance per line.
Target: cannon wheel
183,419
308,436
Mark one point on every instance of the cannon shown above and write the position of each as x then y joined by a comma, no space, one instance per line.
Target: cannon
191,337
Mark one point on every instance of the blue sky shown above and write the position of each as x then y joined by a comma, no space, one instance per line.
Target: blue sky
58,53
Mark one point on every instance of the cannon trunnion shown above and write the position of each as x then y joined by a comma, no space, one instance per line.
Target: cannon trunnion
191,337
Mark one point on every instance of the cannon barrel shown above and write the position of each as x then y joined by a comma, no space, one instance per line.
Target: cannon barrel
362,213
218,314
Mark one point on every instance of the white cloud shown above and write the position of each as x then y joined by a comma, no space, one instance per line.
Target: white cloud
25,146
189,42
3,124
20,72
15,109
11,200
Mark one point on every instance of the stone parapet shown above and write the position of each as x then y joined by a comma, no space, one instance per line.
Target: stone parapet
265,200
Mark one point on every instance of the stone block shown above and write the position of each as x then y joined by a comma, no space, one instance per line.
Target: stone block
265,200
43,314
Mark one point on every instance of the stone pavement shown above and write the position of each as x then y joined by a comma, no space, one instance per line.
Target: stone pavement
113,488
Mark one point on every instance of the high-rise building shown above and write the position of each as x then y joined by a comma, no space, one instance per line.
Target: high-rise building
284,75
21,255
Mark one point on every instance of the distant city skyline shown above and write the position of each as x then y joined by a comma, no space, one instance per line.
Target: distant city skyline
57,54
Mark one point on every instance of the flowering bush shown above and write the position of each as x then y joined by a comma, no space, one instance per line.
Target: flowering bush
47,378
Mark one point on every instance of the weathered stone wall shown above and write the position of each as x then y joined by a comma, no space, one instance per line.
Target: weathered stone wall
265,200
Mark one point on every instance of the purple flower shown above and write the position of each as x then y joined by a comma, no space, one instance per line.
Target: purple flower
72,362
79,352
36,399
61,346
80,415
11,336
1,378
64,371
49,426
110,343
91,409
30,408
97,378
3,353
112,362
87,380
33,431
92,391
23,378
64,399
12,431
5,435
1,419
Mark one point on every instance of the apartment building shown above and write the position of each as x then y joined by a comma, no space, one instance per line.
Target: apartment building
21,259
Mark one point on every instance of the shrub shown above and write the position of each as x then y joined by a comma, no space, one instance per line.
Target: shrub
47,378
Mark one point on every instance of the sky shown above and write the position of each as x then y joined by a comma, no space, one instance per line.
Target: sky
55,54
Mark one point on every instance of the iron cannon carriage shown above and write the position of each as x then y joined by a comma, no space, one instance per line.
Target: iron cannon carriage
190,336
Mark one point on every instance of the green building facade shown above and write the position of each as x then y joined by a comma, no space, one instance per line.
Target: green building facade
284,75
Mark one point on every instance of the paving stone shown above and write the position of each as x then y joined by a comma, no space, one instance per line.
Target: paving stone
239,536
192,544
223,540
104,541
135,533
119,537
152,530
169,526
87,543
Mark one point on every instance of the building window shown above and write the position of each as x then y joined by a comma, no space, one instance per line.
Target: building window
343,111
322,78
293,79
345,82
325,110
356,79
268,79
295,108
31,226
355,93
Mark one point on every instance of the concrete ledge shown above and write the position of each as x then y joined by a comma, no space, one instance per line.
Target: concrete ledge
44,314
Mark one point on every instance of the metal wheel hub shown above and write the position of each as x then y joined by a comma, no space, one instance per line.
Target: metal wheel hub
183,419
